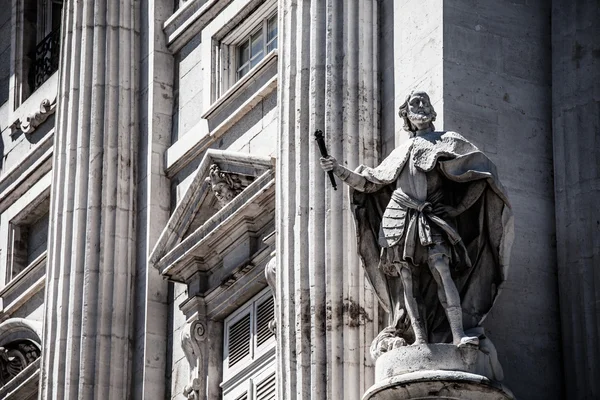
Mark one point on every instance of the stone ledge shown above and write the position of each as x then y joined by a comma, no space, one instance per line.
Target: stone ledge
190,19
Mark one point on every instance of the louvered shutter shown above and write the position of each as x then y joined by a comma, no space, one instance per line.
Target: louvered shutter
265,390
265,313
239,340
243,397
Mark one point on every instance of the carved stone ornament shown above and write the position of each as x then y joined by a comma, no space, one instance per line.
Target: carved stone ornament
14,358
192,336
47,108
434,229
225,185
271,277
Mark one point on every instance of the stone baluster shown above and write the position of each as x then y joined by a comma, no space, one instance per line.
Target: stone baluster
327,316
87,343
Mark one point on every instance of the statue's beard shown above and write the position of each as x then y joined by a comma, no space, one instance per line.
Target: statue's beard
416,117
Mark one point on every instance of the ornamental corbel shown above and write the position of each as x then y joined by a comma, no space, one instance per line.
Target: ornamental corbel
192,337
33,120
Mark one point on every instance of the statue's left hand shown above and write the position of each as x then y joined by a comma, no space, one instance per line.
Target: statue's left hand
445,211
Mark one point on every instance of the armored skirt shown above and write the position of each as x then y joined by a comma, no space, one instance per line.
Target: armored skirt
411,234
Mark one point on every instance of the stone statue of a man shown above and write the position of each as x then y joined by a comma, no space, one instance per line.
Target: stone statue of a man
432,223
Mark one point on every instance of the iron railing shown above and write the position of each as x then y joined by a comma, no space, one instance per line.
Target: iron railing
46,59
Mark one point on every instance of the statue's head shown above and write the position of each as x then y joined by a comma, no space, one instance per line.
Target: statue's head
223,184
417,112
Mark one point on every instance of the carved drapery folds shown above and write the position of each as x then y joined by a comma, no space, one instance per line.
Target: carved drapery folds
15,357
192,336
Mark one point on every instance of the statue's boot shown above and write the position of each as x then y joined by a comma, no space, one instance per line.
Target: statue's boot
419,331
456,326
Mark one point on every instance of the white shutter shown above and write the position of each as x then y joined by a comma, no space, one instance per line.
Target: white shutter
238,341
265,313
265,390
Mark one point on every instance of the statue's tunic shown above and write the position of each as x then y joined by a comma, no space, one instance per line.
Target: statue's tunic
395,223
410,232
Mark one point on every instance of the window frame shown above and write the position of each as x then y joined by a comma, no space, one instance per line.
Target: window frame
21,89
226,42
253,61
16,215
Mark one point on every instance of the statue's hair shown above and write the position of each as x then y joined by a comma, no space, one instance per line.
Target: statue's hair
403,112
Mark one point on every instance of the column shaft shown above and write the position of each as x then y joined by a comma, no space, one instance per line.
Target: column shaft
87,343
328,81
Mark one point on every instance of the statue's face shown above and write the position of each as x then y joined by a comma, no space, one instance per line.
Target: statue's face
223,192
420,111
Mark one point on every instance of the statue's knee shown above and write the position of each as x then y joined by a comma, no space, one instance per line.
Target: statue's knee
439,262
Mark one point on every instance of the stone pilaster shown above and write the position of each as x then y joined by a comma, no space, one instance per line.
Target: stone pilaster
87,343
327,316
575,128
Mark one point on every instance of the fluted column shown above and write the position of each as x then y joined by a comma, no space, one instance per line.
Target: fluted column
87,344
576,122
327,313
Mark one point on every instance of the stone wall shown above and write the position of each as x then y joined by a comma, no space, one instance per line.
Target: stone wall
497,94
576,128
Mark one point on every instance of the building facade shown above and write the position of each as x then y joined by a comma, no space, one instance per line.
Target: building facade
166,230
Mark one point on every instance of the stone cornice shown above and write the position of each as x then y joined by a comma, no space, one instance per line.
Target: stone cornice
189,20
22,176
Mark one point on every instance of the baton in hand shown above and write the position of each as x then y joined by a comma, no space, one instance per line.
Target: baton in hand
321,142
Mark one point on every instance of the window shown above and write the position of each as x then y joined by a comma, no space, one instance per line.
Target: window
27,237
244,47
36,44
47,44
254,48
249,351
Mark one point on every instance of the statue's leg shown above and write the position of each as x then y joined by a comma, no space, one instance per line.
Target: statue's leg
411,304
450,299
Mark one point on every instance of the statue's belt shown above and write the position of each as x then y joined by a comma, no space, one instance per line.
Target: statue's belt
418,222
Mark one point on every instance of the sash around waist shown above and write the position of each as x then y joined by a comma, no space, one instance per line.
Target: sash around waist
405,215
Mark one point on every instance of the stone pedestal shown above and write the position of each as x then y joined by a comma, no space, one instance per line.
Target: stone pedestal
438,371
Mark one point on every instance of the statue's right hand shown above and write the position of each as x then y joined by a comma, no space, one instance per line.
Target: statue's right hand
328,163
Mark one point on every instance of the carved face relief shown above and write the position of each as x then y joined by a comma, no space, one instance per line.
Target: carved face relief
420,111
223,192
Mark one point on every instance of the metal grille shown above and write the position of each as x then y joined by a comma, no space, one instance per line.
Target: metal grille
46,59
265,313
239,340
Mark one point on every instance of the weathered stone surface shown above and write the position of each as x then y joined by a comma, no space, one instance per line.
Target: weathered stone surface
576,144
436,385
326,311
